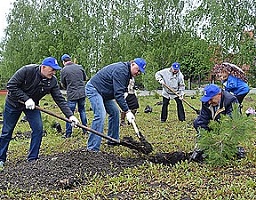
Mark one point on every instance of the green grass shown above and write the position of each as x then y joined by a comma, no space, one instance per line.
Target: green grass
149,181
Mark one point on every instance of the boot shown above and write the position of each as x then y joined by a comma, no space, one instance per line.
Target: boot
240,153
122,119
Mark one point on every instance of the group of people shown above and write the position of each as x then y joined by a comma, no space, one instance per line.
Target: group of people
32,82
215,99
109,90
218,101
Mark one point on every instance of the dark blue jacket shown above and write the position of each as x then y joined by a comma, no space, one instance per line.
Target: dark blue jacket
112,81
28,82
207,113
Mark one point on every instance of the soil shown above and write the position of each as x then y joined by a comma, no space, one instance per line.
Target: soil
72,169
63,170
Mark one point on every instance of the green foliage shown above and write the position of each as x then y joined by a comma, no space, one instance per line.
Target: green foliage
98,33
221,143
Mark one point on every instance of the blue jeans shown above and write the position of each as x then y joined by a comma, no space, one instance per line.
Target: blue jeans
81,110
11,116
100,107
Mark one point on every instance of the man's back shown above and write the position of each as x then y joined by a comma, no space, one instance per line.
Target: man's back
73,79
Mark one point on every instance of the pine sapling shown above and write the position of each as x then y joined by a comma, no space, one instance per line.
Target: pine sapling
220,145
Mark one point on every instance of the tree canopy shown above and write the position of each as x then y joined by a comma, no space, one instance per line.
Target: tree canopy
97,33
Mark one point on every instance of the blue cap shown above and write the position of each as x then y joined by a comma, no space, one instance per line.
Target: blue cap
65,56
141,63
210,91
176,66
51,62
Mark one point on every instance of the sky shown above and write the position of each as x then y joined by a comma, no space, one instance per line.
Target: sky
4,10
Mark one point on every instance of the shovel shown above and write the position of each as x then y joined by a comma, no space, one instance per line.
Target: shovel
141,137
172,90
127,141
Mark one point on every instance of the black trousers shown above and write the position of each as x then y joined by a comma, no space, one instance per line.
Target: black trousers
240,97
180,109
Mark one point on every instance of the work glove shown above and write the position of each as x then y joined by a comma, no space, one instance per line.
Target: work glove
161,81
130,116
30,104
182,95
74,121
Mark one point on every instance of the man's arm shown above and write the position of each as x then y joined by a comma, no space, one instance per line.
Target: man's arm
181,85
14,85
59,99
120,84
203,119
84,74
159,76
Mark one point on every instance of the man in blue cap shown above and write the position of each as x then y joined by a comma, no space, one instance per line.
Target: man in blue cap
104,90
25,89
73,79
214,102
173,78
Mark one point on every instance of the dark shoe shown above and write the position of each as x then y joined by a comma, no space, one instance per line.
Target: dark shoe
148,109
163,121
57,126
240,153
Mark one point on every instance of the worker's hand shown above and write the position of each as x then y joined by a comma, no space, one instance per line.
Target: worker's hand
74,121
130,117
182,95
30,104
161,81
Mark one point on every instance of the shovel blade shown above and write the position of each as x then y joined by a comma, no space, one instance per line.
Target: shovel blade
143,146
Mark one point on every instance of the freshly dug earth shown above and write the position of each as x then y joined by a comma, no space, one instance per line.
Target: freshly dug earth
71,169
64,170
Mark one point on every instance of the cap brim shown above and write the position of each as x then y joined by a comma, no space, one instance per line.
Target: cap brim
56,67
205,99
142,70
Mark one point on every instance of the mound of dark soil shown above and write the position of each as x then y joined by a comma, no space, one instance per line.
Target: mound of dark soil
169,158
71,169
64,170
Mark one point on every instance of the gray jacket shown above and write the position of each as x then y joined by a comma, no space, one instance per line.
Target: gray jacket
73,79
175,81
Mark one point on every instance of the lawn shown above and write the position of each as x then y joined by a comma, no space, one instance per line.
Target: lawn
119,172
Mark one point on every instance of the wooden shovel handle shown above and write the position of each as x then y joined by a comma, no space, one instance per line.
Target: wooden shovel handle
78,125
